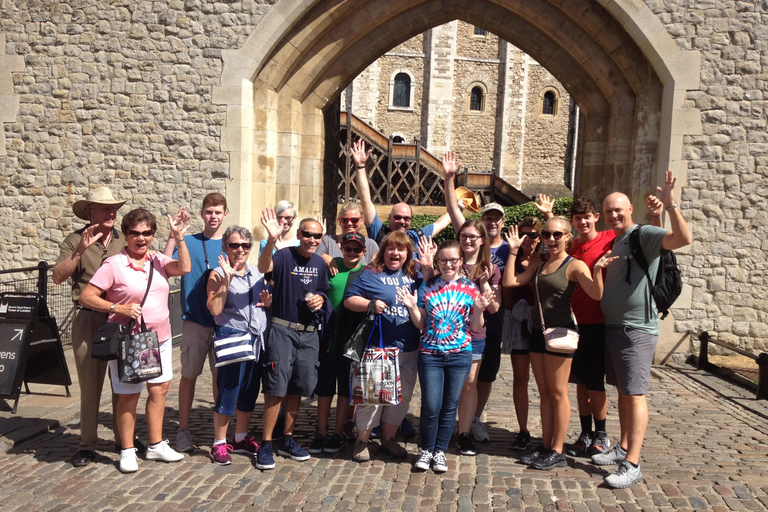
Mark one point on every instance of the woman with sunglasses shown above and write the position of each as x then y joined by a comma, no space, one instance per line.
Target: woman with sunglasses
122,279
350,221
285,212
446,309
478,268
557,278
237,297
517,326
391,270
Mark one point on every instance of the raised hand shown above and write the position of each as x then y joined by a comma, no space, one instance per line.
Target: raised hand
333,268
265,299
604,261
323,225
514,239
450,165
407,297
484,299
88,238
485,276
270,223
426,252
667,193
359,154
654,205
544,205
178,224
229,272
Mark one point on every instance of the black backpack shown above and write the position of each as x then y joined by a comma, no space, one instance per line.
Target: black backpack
668,285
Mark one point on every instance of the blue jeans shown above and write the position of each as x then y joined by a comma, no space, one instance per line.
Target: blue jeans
238,383
442,377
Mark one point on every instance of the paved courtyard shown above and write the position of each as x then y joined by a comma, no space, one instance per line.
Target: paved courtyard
707,448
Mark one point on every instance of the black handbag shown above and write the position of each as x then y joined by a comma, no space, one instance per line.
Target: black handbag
108,337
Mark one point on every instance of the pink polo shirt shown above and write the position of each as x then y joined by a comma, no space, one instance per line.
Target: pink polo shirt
125,284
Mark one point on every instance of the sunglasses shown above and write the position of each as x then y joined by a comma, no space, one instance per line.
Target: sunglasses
445,261
557,235
309,234
245,246
145,234
286,218
402,217
531,234
349,248
471,238
349,220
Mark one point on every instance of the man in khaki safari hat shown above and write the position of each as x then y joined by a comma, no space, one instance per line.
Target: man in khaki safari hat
81,254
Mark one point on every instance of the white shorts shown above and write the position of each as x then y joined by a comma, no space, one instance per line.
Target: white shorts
127,388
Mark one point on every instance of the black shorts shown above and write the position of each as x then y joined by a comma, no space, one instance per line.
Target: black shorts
489,368
588,366
333,372
538,346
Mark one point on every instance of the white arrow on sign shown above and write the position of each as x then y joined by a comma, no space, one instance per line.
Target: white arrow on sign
19,333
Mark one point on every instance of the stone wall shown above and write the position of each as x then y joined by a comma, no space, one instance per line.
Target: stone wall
116,94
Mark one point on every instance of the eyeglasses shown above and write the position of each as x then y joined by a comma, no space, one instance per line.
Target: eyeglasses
406,218
491,220
349,220
452,261
309,234
286,218
531,234
145,234
349,248
245,245
557,235
471,238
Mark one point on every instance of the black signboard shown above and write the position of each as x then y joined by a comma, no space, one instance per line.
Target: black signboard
30,346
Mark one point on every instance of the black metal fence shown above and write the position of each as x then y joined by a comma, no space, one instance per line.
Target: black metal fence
702,362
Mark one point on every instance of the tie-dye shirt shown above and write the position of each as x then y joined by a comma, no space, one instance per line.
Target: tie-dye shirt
449,307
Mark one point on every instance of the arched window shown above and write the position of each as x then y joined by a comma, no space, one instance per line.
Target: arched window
476,99
401,96
549,103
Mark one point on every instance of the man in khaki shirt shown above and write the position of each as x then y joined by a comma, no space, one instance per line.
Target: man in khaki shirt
81,254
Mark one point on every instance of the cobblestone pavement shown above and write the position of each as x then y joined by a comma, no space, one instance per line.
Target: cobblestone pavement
706,448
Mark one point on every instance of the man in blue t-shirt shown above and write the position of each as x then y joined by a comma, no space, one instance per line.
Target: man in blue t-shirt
197,328
291,354
401,214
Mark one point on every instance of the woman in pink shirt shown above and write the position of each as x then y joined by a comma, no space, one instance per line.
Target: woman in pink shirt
118,288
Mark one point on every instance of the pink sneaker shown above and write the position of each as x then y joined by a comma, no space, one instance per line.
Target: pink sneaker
220,454
247,446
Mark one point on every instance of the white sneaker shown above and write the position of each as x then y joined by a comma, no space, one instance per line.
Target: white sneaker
478,431
425,459
163,451
129,463
439,463
184,441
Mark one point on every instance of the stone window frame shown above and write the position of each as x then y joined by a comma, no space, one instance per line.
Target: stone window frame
410,107
555,103
475,33
471,87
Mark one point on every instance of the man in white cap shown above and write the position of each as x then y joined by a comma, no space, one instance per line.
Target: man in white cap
81,254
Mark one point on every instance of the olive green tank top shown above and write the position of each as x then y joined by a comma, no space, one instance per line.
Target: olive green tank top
556,290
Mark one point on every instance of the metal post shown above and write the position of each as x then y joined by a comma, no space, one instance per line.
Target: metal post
762,376
703,345
42,280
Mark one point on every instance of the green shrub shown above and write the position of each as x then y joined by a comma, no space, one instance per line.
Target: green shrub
512,215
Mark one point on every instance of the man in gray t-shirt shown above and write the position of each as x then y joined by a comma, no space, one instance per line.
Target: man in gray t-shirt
632,324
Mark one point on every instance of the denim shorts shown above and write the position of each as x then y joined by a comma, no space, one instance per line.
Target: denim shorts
478,347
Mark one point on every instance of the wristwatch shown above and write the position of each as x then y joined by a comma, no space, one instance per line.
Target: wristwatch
112,308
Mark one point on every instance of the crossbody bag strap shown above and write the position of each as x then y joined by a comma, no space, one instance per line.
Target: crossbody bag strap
205,253
538,296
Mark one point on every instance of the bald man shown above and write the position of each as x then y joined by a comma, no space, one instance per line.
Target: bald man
632,323
399,217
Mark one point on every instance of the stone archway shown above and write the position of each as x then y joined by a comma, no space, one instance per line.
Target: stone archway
614,56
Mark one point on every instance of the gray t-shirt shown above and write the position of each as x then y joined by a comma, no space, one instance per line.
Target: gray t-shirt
626,304
329,245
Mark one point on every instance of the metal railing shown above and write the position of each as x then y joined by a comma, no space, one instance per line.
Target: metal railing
702,363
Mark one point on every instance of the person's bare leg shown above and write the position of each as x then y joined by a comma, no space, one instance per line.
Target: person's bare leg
271,412
155,410
557,370
598,404
582,399
220,425
126,417
468,399
242,422
483,395
323,414
539,373
291,406
342,413
186,397
637,408
624,420
520,377
388,431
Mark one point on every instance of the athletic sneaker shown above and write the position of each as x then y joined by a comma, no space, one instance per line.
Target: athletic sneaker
317,444
220,454
530,457
293,450
264,457
626,475
163,451
479,432
424,460
439,463
581,446
611,457
522,441
600,444
333,444
129,463
247,446
406,428
550,460
184,441
466,446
